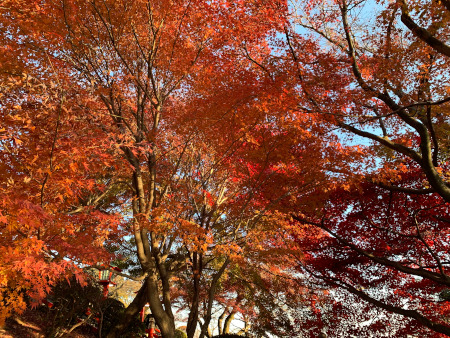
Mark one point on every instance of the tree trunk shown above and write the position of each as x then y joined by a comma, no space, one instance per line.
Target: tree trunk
163,317
193,313
226,327
220,321
211,293
208,333
245,329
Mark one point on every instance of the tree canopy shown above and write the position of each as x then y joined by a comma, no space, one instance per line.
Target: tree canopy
279,163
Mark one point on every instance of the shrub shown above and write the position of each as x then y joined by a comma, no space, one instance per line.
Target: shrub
71,302
180,334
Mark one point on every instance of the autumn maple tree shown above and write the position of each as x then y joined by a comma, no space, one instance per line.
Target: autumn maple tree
383,85
250,156
130,87
50,184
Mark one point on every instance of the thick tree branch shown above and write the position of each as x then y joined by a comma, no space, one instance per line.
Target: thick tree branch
437,327
422,33
413,191
433,276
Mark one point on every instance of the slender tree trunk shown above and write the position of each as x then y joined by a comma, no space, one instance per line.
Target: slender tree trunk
163,317
193,314
220,320
211,294
100,324
208,333
245,329
226,327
